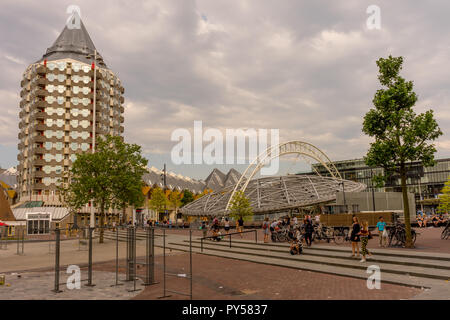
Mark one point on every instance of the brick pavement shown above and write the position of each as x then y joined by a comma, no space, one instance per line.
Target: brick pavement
221,278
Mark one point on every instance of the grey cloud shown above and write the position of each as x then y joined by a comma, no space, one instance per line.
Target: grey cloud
305,67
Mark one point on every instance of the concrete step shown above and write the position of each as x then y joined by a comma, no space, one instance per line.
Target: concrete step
418,262
381,251
140,235
296,262
423,272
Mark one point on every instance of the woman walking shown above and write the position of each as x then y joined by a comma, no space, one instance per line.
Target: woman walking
266,230
354,236
227,225
364,233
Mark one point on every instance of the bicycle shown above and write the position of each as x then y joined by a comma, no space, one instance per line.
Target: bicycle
446,232
340,235
397,235
322,233
279,235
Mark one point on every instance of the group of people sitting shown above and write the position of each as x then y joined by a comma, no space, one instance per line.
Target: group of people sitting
424,220
298,230
215,226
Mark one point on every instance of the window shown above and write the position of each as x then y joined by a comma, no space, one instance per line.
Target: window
38,223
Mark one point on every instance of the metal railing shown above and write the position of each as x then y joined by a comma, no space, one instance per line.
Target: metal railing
131,264
165,273
229,234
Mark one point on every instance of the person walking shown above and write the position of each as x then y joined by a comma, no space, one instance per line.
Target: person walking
382,232
266,229
240,226
226,225
364,234
354,236
317,219
309,229
204,229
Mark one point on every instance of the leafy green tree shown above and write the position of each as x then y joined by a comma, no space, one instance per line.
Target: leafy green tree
401,136
111,177
174,200
240,206
158,200
187,197
444,198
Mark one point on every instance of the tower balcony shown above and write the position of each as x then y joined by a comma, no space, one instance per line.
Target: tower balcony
38,174
41,69
39,162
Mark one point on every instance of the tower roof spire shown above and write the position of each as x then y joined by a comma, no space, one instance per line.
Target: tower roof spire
74,43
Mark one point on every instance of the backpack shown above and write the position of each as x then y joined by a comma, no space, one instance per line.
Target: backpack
264,225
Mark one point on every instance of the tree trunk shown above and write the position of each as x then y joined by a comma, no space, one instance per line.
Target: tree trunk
408,243
102,223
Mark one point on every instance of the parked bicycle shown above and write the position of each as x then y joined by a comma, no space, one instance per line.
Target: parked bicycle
397,235
322,233
280,235
446,232
341,234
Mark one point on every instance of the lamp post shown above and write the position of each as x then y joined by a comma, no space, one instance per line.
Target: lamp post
343,193
165,187
373,190
421,197
94,67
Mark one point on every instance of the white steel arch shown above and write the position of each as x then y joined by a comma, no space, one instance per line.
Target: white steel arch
302,148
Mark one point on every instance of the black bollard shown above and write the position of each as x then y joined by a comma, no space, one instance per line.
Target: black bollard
57,252
90,259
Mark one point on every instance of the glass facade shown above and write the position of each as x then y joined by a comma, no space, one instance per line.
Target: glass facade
424,182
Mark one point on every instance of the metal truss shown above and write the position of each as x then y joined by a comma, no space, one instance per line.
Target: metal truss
274,194
304,149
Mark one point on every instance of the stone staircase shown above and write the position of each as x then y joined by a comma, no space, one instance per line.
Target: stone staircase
140,235
410,268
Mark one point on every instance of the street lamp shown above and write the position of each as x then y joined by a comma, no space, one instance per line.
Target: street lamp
343,192
373,189
163,177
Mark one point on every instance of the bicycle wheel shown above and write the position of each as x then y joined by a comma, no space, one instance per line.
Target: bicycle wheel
282,237
413,236
315,237
401,239
391,239
445,233
338,237
273,237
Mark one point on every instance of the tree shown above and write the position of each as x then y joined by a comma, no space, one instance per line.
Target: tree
111,178
174,200
240,206
187,196
444,198
158,200
401,136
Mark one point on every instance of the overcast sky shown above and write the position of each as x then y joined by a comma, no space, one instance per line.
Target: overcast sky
304,67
